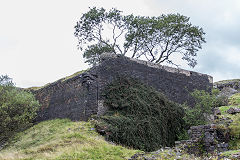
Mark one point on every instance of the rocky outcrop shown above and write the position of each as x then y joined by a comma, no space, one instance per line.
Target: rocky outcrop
234,83
228,87
233,110
80,97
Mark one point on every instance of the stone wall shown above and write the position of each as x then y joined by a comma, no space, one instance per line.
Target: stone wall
74,98
81,96
205,139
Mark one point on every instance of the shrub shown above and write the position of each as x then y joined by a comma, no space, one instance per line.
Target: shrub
139,116
205,102
17,108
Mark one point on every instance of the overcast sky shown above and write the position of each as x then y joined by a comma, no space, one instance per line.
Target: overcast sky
37,45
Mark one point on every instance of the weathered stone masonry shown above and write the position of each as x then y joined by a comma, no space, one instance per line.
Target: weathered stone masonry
80,97
205,139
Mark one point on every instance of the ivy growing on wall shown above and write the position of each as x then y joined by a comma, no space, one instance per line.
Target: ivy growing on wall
139,116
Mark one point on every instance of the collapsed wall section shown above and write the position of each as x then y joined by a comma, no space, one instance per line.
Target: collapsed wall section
81,96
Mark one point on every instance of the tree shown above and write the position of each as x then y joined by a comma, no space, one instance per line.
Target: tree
153,38
5,81
18,109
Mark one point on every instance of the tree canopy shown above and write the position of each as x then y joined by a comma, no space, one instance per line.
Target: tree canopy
156,39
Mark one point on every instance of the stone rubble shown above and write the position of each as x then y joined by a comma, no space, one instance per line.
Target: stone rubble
205,139
233,110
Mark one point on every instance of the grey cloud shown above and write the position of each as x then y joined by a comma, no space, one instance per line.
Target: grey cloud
215,64
219,19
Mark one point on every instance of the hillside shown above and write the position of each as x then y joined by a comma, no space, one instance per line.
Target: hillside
63,139
233,126
60,80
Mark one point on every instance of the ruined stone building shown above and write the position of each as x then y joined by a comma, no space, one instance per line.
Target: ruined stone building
80,97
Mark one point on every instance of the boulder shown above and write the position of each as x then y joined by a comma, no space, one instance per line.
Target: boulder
236,156
228,92
217,111
233,110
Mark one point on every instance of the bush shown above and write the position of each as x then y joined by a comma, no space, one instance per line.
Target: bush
17,108
205,102
139,116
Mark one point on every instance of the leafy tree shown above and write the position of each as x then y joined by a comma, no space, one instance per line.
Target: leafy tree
17,109
205,102
5,81
153,38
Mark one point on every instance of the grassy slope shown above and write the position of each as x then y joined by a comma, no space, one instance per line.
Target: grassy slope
63,139
226,81
62,80
234,101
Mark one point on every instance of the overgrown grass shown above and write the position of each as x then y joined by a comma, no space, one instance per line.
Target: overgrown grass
234,99
230,153
234,127
224,109
63,139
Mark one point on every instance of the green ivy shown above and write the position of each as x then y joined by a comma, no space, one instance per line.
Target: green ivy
139,116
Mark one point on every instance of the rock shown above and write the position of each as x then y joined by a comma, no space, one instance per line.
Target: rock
217,111
3,143
233,110
136,156
228,92
236,156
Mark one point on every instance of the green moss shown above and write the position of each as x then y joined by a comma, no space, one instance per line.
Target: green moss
139,116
